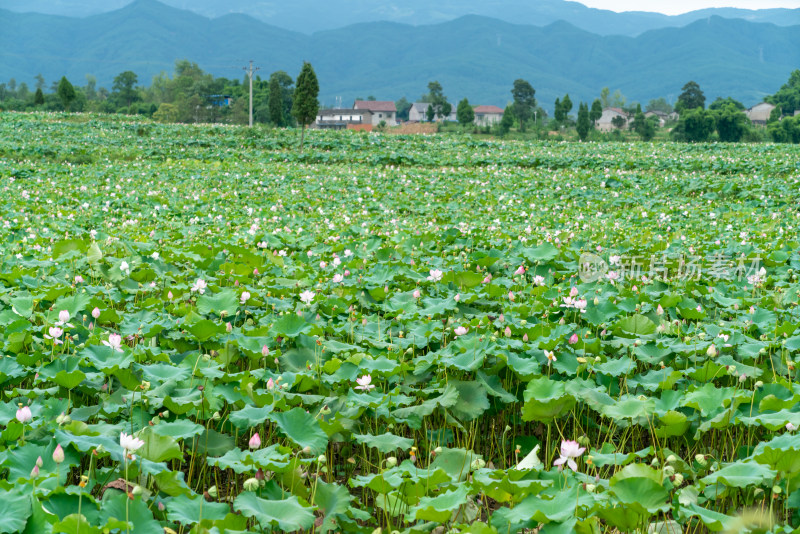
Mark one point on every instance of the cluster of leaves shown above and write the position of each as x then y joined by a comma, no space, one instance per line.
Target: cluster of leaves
326,341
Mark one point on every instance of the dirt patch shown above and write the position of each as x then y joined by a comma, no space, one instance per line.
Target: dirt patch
415,128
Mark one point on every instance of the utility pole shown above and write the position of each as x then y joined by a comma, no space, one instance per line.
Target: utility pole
250,72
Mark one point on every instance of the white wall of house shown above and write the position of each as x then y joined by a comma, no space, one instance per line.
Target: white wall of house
604,123
488,119
760,112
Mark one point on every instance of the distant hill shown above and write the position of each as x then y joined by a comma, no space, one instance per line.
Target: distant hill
308,16
472,56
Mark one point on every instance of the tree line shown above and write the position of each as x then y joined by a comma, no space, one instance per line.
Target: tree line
191,95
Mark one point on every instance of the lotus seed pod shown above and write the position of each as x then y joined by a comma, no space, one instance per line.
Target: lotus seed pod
321,459
212,491
671,459
677,480
251,484
137,490
391,461
669,471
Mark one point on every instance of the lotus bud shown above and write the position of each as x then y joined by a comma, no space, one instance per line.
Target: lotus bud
217,416
654,462
137,490
507,332
590,488
212,492
251,484
759,384
671,459
596,301
321,459
35,471
391,461
39,462
63,419
437,450
711,351
58,454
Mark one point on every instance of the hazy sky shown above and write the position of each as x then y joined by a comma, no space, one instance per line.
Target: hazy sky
673,7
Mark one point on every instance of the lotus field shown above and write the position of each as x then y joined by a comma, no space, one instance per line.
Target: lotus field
206,330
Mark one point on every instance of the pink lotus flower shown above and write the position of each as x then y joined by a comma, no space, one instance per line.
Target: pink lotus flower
538,280
457,298
435,275
416,294
525,338
24,414
264,350
573,292
255,441
511,296
245,297
199,286
228,327
487,279
507,331
58,454
573,339
54,333
364,383
659,310
337,278
270,384
460,331
78,279
569,451
114,342
96,312
520,270
129,442
790,427
307,296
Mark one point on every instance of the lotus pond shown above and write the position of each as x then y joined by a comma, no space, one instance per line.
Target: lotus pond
207,331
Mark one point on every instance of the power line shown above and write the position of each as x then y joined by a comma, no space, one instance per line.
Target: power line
250,75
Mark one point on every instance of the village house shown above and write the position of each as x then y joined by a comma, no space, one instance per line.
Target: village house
488,115
662,117
606,121
382,111
419,113
341,119
759,114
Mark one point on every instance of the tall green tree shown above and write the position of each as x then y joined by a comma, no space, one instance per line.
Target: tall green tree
306,105
691,97
123,91
437,99
507,121
596,112
642,126
584,124
275,102
286,85
38,98
695,126
524,101
464,113
566,105
788,96
430,113
66,93
403,107
558,113
731,122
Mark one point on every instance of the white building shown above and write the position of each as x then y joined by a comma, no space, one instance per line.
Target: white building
380,110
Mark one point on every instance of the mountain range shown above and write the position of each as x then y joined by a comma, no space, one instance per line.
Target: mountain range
309,16
473,56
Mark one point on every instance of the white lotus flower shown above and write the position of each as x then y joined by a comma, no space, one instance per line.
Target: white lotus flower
307,296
